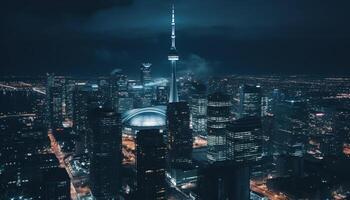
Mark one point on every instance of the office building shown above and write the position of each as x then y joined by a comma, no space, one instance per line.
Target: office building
105,155
179,135
198,107
249,100
81,106
151,164
55,101
145,77
56,184
161,95
223,180
218,113
244,140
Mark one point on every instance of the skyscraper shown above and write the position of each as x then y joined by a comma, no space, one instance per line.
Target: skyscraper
290,135
173,57
179,134
80,115
151,164
223,180
249,100
243,139
161,95
56,184
105,154
218,112
55,101
198,105
113,90
145,73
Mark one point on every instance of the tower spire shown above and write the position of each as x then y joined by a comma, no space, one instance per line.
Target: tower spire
173,57
173,27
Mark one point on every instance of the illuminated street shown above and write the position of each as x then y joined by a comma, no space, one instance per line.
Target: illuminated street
76,191
261,188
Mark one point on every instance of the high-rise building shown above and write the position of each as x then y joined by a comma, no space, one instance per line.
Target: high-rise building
68,101
55,101
223,180
218,112
81,106
151,164
249,100
56,184
125,103
244,140
146,97
179,135
113,89
198,105
105,155
145,74
289,138
161,95
290,128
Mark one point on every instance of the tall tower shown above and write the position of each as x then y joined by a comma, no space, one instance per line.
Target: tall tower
173,57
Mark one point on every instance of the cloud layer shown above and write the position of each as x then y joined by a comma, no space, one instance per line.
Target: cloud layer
242,36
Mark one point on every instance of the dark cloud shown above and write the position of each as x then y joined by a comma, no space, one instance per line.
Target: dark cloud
48,8
197,65
242,36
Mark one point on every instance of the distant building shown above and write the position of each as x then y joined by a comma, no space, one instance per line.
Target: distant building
290,136
290,128
249,101
55,101
151,164
145,77
81,106
161,95
218,113
105,155
125,103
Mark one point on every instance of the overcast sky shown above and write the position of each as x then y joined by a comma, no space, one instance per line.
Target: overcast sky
88,37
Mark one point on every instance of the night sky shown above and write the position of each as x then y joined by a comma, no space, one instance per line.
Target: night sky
89,37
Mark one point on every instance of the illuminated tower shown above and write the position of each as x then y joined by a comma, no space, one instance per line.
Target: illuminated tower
173,57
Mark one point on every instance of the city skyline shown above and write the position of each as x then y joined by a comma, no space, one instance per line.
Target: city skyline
181,128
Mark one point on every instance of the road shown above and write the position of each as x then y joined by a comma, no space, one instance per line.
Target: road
56,149
261,188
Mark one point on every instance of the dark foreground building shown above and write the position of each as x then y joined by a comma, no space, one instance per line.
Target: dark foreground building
223,180
179,135
105,154
151,164
56,184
